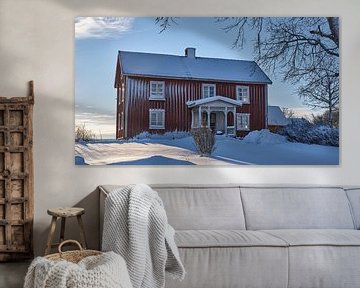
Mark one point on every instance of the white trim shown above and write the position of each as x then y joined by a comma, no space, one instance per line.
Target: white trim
243,98
157,95
206,85
118,121
225,120
122,92
160,118
200,117
122,120
239,123
234,115
208,116
192,118
202,101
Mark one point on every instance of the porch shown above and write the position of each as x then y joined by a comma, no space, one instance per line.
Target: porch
217,113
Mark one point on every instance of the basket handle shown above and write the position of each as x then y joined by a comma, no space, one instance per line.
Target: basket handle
69,241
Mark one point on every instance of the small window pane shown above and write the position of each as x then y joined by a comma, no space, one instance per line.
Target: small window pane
153,118
242,94
242,121
212,91
157,119
208,90
157,89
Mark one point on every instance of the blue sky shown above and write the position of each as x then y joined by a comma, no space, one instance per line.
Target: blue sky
97,40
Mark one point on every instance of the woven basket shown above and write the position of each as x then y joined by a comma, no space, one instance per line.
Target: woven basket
72,256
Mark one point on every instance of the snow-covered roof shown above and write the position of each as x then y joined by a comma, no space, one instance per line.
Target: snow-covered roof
213,99
276,116
173,66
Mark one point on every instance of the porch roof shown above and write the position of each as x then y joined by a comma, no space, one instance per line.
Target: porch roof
208,100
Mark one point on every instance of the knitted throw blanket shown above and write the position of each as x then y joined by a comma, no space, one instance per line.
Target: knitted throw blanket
136,227
103,271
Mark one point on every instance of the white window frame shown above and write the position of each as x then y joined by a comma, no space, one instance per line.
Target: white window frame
157,95
204,85
241,95
243,125
160,119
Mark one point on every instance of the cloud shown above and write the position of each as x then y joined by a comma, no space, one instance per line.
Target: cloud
102,27
306,112
100,121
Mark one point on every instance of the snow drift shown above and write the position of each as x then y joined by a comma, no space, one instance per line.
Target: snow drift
264,137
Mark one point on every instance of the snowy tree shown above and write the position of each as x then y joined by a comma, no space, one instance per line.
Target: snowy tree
322,92
288,112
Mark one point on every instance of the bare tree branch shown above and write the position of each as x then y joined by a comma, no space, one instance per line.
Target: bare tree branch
165,22
303,50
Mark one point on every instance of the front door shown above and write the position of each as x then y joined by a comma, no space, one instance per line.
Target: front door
213,121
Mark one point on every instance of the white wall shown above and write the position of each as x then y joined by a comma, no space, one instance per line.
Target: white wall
37,42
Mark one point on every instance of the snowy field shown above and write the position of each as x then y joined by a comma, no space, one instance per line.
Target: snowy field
258,149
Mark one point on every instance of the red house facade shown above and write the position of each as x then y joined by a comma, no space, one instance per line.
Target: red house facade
160,93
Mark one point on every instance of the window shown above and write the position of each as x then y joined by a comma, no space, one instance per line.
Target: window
208,90
157,119
242,121
157,90
242,94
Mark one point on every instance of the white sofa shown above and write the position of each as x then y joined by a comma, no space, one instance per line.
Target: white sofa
245,236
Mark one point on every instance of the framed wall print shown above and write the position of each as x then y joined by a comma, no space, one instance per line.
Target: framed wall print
207,91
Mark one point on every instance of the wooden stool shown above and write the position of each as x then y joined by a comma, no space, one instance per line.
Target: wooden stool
64,213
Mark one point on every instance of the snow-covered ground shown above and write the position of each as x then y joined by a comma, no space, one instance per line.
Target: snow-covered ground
260,149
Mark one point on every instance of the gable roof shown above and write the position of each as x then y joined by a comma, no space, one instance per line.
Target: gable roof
172,66
213,99
276,117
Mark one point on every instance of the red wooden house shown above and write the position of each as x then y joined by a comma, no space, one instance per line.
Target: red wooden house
160,93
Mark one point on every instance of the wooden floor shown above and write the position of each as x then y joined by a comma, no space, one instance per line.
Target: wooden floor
12,274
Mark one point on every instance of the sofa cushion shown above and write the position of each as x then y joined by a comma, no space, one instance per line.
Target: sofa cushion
322,258
226,238
204,208
218,267
199,207
324,266
296,208
317,237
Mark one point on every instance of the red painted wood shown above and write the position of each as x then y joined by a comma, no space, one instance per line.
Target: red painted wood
177,93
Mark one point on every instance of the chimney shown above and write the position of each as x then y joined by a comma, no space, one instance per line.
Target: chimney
190,52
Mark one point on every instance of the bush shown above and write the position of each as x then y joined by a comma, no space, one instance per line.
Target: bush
204,140
83,134
325,135
301,130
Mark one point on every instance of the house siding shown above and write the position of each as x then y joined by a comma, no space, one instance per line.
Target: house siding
177,115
